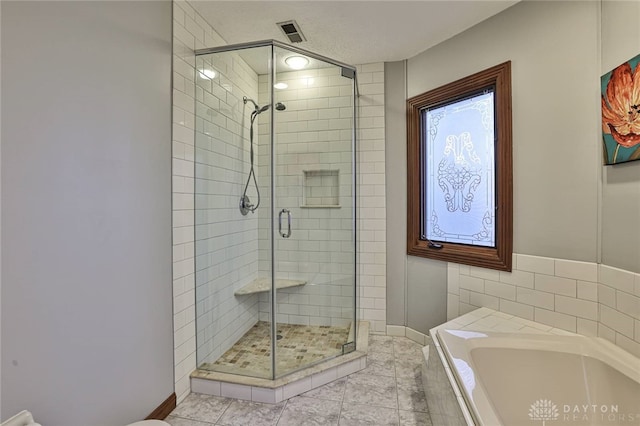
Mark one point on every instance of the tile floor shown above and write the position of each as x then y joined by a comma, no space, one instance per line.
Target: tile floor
299,345
388,392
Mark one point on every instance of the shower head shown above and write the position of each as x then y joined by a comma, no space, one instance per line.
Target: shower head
280,106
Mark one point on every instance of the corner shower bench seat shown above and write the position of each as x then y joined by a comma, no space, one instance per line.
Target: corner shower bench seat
261,285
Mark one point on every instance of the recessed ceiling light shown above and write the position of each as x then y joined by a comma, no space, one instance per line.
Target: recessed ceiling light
207,74
281,85
297,62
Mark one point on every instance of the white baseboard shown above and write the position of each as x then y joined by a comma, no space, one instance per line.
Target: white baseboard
410,333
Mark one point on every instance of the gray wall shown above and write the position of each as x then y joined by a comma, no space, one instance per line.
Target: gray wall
553,47
395,164
416,287
0,216
86,245
620,242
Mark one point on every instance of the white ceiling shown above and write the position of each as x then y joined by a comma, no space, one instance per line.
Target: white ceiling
353,32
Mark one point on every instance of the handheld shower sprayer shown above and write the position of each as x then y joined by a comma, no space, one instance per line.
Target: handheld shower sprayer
245,204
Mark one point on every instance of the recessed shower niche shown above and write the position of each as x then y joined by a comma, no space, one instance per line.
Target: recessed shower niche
321,189
275,256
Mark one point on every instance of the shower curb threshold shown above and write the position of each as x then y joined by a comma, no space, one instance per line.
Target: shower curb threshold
274,391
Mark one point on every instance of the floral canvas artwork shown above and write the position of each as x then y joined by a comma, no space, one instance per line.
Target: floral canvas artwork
621,113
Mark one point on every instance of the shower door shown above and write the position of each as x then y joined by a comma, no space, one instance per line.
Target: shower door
313,210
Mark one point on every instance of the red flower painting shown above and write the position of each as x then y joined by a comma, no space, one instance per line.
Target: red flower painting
621,108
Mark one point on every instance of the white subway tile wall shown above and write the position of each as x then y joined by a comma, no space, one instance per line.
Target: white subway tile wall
314,136
227,253
371,225
581,297
314,182
191,32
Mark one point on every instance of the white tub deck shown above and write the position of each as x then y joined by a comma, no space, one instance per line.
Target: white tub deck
511,371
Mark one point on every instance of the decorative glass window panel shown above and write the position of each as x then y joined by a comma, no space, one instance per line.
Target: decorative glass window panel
459,166
459,171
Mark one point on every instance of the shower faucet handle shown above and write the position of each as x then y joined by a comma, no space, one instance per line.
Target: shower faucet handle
282,234
246,206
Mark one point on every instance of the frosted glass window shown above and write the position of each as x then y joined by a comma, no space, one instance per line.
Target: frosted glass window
459,166
460,171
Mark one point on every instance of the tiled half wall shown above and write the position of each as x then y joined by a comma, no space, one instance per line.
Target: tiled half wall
581,297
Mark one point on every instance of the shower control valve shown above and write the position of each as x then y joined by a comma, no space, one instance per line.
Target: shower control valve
246,206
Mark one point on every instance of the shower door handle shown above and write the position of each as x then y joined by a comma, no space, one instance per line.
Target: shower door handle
282,234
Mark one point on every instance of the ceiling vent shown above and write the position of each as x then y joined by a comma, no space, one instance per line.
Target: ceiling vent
292,30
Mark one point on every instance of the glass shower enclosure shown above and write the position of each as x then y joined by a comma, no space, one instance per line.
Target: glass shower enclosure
274,209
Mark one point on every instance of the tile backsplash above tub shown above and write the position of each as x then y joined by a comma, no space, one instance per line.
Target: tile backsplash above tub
580,297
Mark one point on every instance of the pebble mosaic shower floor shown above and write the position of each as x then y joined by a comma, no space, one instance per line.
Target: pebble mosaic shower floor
300,345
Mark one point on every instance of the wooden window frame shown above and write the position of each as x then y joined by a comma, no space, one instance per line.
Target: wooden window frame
498,257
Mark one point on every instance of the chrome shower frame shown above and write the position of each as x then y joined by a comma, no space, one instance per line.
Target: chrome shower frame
347,71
